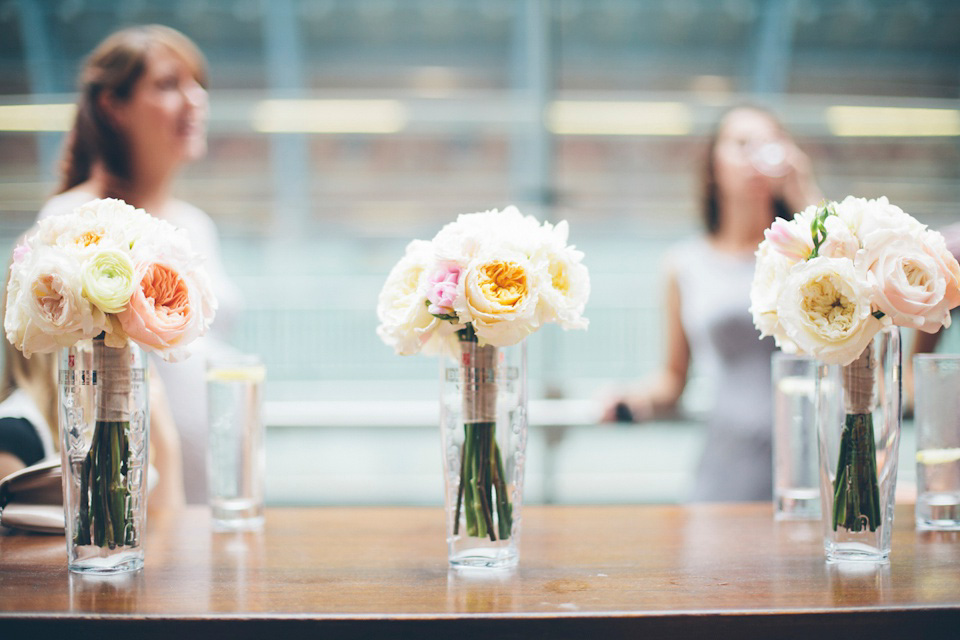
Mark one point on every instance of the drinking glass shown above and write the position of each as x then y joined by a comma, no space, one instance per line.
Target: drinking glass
796,471
937,424
235,458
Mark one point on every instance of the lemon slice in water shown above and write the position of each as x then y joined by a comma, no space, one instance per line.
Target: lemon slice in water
237,374
938,456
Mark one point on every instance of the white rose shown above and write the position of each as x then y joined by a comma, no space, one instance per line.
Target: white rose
771,270
840,241
825,310
566,288
910,286
863,217
475,233
45,304
405,323
500,297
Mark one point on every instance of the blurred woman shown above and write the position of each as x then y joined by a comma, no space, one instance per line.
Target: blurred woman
753,173
141,118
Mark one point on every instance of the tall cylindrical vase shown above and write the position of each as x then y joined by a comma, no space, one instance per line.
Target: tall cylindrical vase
484,433
858,424
104,422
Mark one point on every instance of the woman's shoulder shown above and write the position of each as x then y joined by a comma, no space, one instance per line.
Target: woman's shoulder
64,203
686,254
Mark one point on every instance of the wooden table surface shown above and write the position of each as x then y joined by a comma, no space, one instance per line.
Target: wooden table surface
585,572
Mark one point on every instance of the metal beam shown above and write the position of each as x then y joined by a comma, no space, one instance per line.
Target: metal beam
40,70
774,46
289,152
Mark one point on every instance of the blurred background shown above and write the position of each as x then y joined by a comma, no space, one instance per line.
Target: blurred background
341,129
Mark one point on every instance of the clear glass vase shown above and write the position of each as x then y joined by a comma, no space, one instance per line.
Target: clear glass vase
858,425
483,421
104,424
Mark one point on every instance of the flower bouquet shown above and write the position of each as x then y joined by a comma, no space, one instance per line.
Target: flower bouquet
829,283
93,283
484,283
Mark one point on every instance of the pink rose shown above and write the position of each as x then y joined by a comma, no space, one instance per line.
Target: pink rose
163,312
916,282
21,252
442,290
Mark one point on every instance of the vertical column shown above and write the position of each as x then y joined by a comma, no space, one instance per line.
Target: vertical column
770,64
289,152
532,81
39,58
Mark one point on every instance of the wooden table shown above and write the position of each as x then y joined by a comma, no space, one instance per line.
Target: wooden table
710,571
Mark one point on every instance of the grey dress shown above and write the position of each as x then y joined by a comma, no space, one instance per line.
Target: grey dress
714,287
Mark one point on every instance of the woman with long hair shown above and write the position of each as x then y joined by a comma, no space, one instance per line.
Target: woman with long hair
753,172
141,117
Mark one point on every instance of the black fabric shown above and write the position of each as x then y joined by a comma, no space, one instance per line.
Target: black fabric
17,436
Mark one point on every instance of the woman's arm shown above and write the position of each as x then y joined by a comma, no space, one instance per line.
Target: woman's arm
9,463
660,394
165,445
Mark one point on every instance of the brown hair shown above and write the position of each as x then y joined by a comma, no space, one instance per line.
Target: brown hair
711,190
113,69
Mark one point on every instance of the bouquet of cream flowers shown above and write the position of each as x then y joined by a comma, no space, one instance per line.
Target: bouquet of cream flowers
111,274
487,280
825,283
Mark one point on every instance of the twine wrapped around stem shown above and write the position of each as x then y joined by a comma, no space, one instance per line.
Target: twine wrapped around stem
856,492
482,492
103,518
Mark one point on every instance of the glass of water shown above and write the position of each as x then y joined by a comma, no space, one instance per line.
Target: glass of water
937,423
235,458
796,470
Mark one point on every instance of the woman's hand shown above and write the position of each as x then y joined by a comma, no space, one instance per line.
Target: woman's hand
797,186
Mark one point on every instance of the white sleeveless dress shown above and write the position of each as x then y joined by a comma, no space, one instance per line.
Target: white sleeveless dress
714,287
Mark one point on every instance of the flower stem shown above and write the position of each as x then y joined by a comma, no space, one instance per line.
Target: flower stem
856,492
482,486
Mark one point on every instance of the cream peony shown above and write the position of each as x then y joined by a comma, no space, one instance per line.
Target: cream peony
825,309
45,306
500,298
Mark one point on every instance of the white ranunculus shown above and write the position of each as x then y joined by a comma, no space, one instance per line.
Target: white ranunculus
825,309
107,278
405,323
45,304
910,286
500,297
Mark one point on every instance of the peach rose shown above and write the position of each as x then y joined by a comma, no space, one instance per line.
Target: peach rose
164,312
